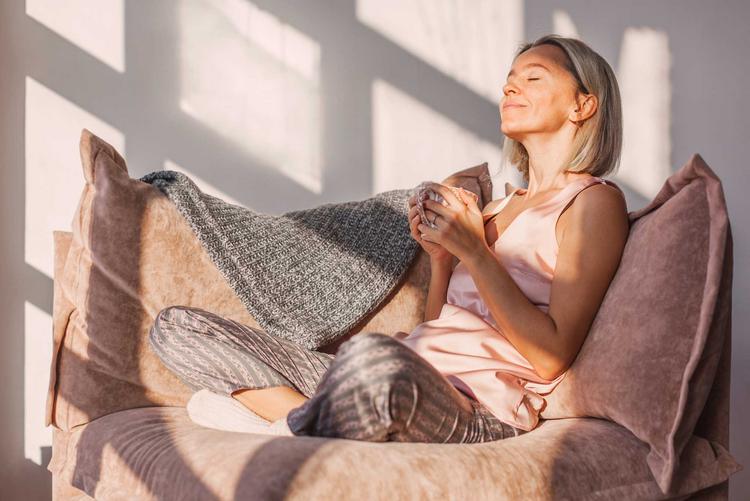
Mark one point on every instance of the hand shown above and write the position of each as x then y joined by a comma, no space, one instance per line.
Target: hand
436,251
460,224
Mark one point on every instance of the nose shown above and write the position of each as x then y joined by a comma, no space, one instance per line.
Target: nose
508,91
508,88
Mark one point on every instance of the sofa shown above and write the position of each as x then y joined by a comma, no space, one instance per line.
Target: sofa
642,414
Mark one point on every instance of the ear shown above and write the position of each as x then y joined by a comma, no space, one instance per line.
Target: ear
587,106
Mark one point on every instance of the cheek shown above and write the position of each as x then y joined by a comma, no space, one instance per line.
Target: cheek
550,107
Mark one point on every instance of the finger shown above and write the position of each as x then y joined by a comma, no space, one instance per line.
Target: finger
437,208
428,238
433,219
416,218
446,193
414,223
415,226
469,200
465,195
430,217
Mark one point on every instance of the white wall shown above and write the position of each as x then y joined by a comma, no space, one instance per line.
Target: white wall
282,105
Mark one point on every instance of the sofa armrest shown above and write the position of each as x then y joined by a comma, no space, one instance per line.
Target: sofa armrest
61,310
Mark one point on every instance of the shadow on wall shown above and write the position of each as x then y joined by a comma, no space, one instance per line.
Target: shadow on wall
141,103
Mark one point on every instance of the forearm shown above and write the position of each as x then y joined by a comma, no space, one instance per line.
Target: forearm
440,275
529,329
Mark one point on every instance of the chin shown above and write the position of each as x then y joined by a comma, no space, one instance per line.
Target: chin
512,133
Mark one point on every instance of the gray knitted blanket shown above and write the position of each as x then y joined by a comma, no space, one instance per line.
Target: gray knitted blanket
309,275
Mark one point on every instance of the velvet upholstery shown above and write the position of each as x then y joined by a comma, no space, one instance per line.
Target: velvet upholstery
663,319
133,254
121,430
159,453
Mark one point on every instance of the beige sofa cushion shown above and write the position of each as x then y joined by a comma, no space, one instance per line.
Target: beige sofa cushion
651,354
132,254
158,453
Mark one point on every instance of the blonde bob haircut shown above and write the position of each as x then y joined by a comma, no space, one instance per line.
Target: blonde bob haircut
598,142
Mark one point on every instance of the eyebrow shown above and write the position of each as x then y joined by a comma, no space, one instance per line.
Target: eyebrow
526,66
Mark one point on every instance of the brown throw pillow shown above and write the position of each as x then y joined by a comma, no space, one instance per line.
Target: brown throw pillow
651,354
131,254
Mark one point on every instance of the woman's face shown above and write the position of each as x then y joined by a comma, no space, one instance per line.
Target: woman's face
537,99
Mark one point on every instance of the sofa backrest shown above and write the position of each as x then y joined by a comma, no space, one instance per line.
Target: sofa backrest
651,355
131,254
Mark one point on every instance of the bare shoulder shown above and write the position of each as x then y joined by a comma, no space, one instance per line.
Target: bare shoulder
602,196
598,207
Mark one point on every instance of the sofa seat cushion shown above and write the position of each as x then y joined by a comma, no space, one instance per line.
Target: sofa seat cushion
159,453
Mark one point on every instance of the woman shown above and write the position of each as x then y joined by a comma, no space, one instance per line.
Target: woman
501,328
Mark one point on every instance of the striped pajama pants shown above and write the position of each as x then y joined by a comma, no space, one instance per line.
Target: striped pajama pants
375,388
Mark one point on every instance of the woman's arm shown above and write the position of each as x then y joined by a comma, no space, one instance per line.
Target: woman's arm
440,275
594,236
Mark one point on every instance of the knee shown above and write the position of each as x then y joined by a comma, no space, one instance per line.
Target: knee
372,375
372,356
163,330
170,314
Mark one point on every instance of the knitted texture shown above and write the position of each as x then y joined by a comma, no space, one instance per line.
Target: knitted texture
310,275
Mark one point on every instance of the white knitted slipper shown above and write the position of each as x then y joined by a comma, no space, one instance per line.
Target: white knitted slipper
223,412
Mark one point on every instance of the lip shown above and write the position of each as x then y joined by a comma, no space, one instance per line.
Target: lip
512,105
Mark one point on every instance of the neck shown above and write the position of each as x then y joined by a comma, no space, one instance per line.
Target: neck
548,158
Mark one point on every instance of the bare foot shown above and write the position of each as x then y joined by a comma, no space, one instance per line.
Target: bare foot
270,403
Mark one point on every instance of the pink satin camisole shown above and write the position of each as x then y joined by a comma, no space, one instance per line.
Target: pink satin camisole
465,343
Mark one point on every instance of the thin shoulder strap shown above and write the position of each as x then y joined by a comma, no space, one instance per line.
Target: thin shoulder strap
565,203
494,212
